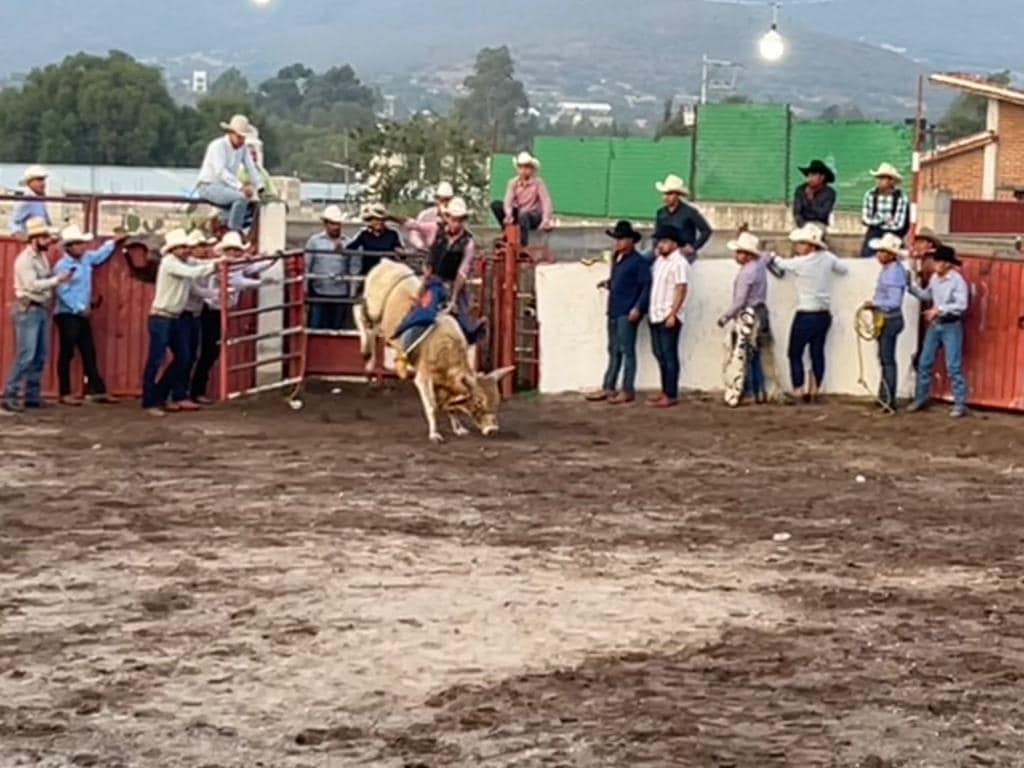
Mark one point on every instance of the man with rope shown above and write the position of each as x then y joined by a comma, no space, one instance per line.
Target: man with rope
885,313
744,370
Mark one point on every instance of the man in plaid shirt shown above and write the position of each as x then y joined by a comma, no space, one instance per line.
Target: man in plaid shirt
886,208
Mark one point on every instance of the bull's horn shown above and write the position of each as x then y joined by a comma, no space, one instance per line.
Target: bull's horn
500,373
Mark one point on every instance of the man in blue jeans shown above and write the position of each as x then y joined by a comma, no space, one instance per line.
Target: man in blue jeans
888,305
219,177
950,297
669,277
629,293
34,282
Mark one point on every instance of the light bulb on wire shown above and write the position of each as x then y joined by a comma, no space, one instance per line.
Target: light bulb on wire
772,45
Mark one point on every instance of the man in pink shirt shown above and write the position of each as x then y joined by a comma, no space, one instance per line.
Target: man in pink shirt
527,200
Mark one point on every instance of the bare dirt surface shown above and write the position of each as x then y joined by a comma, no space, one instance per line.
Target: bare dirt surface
595,587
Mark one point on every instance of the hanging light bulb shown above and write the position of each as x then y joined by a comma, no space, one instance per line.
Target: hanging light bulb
772,45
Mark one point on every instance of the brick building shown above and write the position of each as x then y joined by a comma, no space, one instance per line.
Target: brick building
988,165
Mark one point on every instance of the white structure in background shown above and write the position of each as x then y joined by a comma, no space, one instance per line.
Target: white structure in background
200,81
597,113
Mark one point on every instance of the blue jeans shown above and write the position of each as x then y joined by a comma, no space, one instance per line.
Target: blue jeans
665,342
621,355
887,357
755,375
809,329
164,333
230,199
188,328
328,316
31,332
950,337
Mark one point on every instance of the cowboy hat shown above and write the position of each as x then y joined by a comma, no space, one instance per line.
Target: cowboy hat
817,166
948,255
810,234
332,213
176,238
37,227
239,124
73,234
525,158
444,191
745,243
375,211
252,138
229,241
889,243
672,183
622,230
456,209
887,169
197,237
927,233
668,232
34,172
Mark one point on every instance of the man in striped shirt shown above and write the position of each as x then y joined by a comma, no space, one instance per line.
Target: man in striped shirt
886,208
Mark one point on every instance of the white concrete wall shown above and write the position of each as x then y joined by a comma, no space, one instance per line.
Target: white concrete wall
573,343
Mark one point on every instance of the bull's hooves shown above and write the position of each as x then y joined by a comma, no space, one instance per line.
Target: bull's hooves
436,439
461,432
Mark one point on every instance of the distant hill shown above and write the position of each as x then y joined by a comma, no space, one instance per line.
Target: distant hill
653,45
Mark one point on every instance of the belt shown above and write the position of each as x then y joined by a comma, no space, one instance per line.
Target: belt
950,319
163,314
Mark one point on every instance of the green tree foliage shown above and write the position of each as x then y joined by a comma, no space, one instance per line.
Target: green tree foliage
967,115
673,123
842,112
496,101
334,99
232,84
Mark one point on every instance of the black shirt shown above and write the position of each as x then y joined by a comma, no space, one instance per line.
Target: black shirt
688,220
817,209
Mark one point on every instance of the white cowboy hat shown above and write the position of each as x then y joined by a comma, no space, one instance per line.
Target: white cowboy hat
672,183
888,169
889,243
746,242
176,238
73,234
197,237
37,227
253,137
375,211
444,191
230,240
457,208
34,172
332,213
239,124
810,234
525,158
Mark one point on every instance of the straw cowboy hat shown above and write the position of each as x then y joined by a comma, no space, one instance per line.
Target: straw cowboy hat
457,209
332,214
810,234
34,172
745,243
229,241
176,238
888,169
73,234
253,137
817,166
37,227
197,237
889,243
927,233
239,124
444,191
375,211
525,158
672,183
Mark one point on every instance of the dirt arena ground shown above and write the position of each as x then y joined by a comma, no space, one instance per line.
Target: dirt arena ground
595,587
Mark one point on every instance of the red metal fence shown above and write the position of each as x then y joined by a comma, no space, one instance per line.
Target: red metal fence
986,217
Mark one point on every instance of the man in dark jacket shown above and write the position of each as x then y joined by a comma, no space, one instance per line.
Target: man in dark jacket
815,199
683,216
629,294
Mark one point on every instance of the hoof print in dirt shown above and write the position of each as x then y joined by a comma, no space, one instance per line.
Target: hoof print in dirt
167,600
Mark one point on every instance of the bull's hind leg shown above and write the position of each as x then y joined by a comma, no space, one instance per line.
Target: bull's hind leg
425,386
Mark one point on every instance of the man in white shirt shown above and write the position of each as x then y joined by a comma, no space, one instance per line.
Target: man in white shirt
220,182
668,295
814,268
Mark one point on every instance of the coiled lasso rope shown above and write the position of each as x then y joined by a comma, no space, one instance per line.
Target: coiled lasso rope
868,323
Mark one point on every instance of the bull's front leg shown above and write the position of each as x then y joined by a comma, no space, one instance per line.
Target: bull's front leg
457,426
425,386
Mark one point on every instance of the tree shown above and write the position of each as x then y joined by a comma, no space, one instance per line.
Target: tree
842,112
281,95
736,98
674,124
494,101
968,114
232,84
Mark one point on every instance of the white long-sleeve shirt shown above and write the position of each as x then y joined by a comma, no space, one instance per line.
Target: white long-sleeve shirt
223,163
814,276
174,282
34,280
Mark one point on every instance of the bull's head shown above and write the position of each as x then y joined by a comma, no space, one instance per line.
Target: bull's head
480,398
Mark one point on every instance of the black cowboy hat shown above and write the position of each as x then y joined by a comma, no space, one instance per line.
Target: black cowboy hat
948,255
675,234
624,229
817,166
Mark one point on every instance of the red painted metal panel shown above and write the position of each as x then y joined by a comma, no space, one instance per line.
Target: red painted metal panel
986,217
993,334
329,355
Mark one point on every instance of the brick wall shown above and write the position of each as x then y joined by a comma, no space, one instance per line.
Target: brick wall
960,175
1011,149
